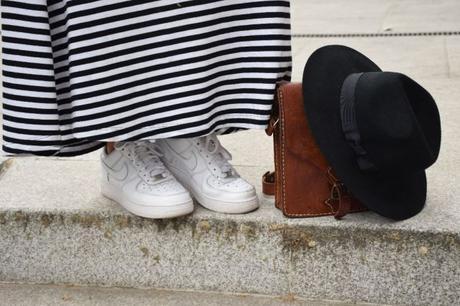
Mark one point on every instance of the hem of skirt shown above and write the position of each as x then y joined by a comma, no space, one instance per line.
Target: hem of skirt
95,144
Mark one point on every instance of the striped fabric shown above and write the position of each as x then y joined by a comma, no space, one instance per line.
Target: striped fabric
77,73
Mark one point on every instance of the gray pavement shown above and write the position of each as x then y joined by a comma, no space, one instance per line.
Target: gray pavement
42,295
374,16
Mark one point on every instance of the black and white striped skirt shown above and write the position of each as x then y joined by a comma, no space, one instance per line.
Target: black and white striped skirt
78,73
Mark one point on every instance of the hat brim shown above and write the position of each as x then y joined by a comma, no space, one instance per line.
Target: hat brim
397,197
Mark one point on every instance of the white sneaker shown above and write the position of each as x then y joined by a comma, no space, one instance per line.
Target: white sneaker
201,165
134,176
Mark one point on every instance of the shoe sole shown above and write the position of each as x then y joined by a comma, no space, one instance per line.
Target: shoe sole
240,207
151,212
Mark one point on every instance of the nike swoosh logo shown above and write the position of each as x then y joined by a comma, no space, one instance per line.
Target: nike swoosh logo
120,174
190,161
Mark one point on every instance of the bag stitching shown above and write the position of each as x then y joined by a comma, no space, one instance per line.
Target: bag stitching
282,121
283,159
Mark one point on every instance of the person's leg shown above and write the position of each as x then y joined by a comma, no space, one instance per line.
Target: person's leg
109,147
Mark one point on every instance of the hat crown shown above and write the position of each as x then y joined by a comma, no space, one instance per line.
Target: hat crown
394,117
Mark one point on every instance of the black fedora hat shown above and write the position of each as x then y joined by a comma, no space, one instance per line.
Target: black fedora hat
378,130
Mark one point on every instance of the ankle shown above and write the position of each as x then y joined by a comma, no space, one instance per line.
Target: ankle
109,147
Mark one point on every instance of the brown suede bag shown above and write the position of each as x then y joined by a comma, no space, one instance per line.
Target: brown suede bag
303,183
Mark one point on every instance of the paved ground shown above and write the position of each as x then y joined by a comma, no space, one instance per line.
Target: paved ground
374,16
41,295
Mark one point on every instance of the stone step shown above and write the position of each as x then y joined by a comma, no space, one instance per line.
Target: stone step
56,228
41,295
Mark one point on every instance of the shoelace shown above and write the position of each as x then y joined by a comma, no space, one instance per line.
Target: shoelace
146,157
221,156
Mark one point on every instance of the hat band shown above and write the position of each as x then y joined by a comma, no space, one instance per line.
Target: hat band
349,124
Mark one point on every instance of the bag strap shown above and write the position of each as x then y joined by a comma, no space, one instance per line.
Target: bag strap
339,194
268,183
268,179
